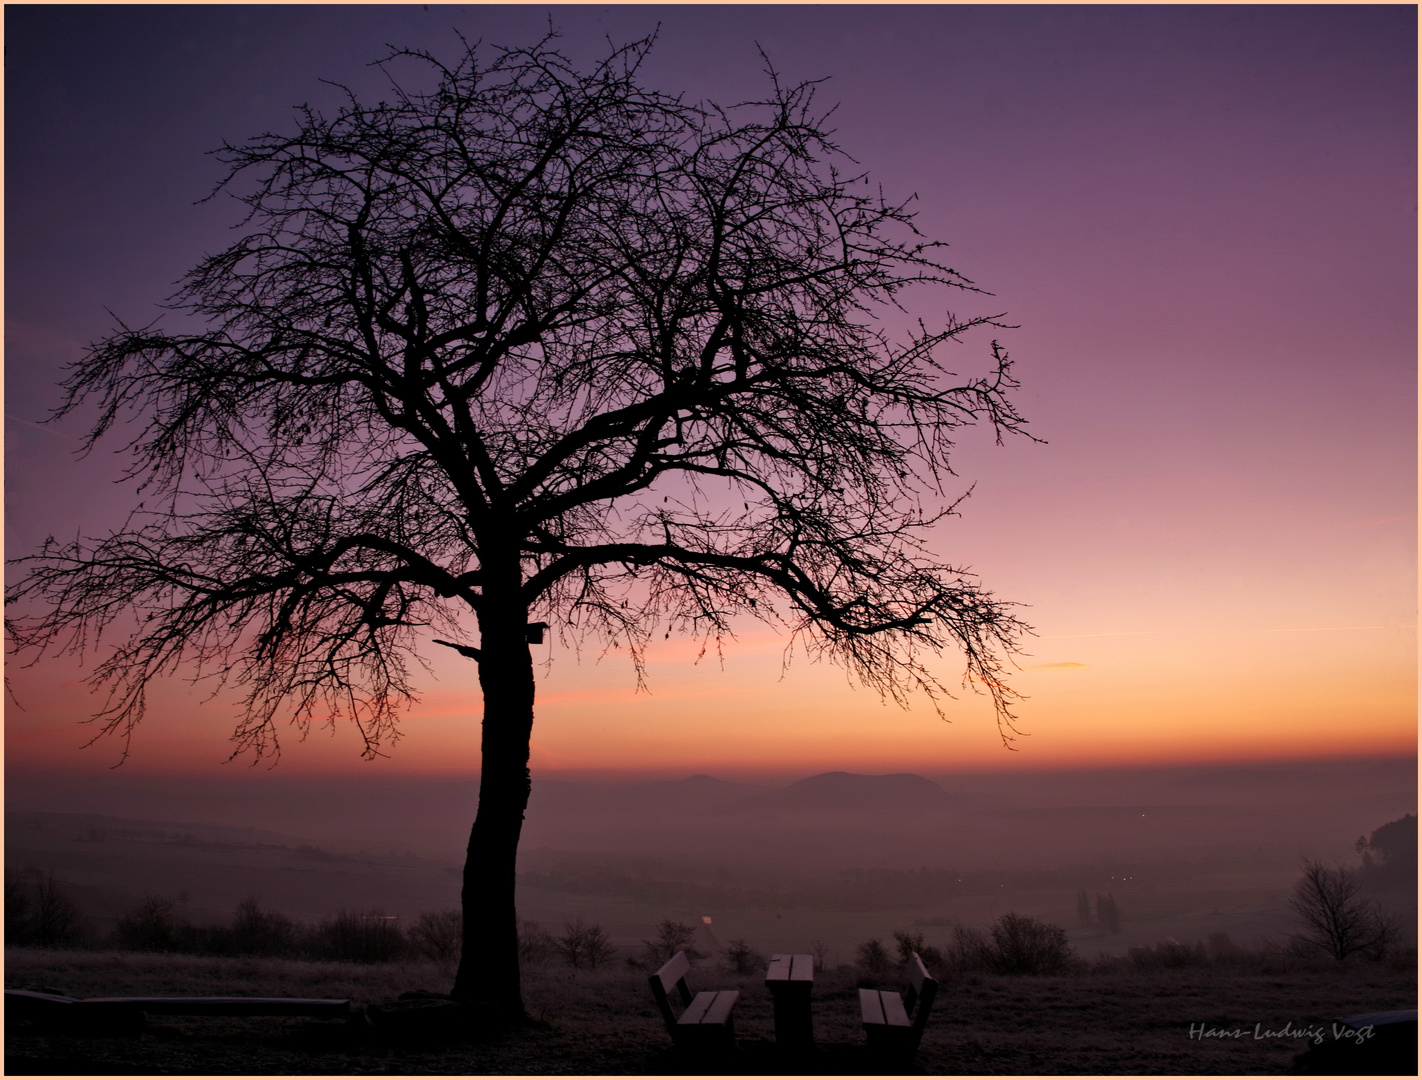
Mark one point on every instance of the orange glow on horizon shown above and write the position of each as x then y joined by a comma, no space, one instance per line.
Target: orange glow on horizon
1119,701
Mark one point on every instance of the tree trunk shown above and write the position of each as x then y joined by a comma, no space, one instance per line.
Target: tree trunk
488,973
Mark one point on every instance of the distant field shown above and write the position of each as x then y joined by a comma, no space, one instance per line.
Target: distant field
603,1022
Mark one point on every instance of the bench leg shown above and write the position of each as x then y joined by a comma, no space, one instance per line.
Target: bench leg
794,1029
892,1043
712,1039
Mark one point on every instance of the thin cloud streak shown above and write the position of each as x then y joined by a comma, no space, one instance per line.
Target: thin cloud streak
1228,630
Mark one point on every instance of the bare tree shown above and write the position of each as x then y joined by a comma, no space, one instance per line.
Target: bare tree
584,944
39,912
1336,920
529,347
672,937
1108,915
1083,908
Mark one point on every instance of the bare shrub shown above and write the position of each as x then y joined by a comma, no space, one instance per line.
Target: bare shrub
535,944
1025,946
968,949
873,957
360,937
1168,953
584,945
438,935
39,912
256,932
742,959
1108,915
672,937
1225,951
820,951
149,926
910,943
19,909
1337,922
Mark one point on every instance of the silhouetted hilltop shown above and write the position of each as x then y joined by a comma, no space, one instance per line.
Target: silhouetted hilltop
692,795
701,788
844,792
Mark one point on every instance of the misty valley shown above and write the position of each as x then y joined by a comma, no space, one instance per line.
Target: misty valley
833,858
1170,890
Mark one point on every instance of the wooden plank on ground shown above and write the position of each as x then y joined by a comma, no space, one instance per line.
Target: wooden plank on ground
225,1006
34,997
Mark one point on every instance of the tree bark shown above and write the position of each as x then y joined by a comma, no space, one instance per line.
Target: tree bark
488,974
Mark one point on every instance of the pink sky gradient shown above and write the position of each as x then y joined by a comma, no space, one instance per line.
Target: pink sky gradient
1203,219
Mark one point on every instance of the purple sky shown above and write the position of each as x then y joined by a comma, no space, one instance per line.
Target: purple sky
1204,219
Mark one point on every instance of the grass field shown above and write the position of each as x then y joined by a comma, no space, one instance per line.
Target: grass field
603,1022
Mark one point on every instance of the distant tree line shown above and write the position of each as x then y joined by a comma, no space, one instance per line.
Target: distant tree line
1334,921
39,913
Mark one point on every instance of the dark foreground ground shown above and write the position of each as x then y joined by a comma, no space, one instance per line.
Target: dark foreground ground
603,1022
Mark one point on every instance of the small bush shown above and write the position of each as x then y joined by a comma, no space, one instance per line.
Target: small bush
1225,951
535,944
968,950
742,959
150,926
584,945
255,932
872,957
1025,946
438,936
1168,953
910,943
360,937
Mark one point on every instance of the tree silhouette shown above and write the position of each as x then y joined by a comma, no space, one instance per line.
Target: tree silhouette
548,349
1336,920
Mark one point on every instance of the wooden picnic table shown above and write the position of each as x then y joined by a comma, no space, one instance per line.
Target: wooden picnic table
790,979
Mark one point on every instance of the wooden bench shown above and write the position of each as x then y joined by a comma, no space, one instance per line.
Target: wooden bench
886,1013
130,1011
706,1022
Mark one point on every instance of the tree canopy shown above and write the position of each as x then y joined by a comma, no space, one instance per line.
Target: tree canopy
531,345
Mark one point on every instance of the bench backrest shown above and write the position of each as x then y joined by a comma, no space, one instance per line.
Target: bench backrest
923,989
671,976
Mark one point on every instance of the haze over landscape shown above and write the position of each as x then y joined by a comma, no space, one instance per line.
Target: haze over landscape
1204,221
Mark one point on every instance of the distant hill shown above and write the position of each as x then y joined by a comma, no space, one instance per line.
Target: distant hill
699,787
843,792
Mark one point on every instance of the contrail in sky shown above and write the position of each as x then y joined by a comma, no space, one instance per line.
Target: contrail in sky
38,427
1228,629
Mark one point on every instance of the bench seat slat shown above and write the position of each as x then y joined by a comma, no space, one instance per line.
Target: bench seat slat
895,1015
870,1007
700,1004
720,1009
